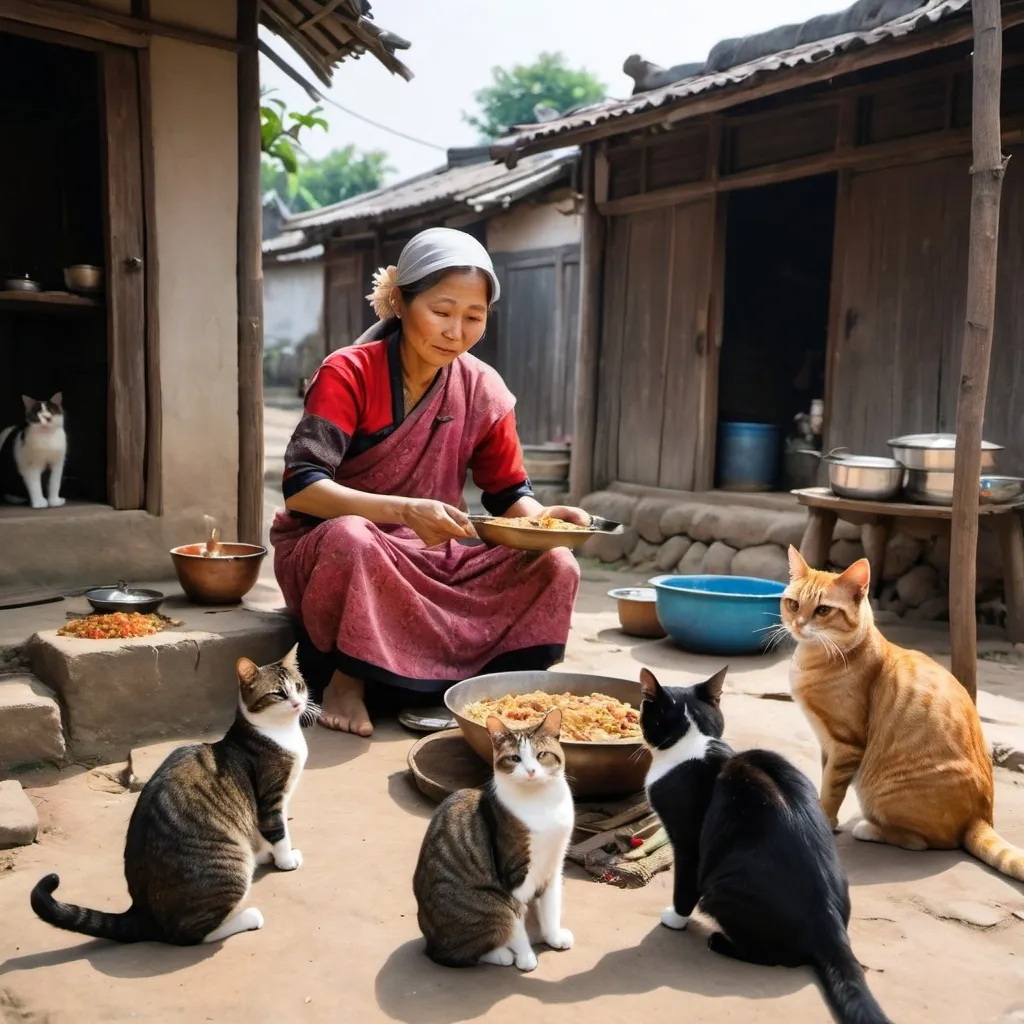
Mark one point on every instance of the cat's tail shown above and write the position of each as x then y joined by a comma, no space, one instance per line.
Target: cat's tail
981,840
127,927
846,988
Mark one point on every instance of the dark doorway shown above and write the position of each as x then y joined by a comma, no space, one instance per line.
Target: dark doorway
777,281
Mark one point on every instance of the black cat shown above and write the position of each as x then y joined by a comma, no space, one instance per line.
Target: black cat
751,845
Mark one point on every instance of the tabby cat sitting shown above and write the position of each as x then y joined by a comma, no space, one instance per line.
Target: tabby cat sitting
489,853
751,846
207,817
893,722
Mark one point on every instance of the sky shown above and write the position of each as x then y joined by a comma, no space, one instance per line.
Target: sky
455,43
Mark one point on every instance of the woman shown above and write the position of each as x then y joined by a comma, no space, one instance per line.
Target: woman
367,554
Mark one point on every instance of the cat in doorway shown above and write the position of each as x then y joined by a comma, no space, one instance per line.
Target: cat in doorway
33,450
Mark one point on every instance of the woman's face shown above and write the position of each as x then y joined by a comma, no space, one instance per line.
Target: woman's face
446,320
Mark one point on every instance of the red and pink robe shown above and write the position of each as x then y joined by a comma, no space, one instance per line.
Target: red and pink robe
373,597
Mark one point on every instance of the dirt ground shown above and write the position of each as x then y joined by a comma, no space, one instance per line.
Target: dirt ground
942,936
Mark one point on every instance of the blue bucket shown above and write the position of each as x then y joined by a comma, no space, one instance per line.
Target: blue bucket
748,456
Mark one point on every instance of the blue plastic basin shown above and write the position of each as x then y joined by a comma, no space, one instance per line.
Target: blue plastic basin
728,615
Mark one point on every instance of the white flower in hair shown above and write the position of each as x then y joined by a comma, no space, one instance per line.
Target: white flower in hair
384,283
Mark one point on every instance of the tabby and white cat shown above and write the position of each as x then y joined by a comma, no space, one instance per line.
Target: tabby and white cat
489,853
751,846
207,817
893,722
27,453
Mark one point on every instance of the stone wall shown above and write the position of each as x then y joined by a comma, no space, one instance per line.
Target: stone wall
666,535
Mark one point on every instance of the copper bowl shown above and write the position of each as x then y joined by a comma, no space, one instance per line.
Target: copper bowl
612,768
638,611
222,579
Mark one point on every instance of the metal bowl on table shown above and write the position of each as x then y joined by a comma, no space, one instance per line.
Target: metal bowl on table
22,284
123,598
1001,490
83,277
936,488
864,477
224,578
611,768
935,453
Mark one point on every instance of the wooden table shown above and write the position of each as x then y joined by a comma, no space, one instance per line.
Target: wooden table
876,520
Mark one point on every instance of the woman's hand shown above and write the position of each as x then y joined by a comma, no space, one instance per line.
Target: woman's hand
568,514
434,522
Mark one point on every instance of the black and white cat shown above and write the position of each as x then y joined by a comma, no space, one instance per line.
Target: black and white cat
752,847
30,451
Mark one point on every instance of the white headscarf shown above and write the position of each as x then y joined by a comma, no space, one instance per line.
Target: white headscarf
429,251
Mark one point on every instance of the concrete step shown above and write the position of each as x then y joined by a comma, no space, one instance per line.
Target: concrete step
30,722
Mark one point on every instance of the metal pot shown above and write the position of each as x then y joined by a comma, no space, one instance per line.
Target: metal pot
21,284
864,477
936,488
935,453
123,598
83,277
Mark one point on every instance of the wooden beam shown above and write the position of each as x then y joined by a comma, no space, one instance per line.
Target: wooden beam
250,281
328,8
987,171
760,86
588,342
840,242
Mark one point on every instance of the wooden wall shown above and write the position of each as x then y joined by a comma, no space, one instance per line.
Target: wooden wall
532,338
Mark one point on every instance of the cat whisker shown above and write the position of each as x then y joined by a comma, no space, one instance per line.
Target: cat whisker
310,715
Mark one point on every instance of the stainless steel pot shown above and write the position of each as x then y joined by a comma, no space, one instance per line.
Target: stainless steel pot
936,453
936,488
83,277
864,477
123,598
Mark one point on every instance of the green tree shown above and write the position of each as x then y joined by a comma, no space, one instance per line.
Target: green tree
279,139
514,93
341,174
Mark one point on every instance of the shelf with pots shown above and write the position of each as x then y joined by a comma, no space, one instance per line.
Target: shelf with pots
85,291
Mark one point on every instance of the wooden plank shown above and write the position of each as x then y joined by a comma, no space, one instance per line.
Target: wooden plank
126,281
74,19
707,439
822,497
250,282
154,399
587,363
40,300
687,349
840,243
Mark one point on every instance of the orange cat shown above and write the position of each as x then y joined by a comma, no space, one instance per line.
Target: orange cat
893,722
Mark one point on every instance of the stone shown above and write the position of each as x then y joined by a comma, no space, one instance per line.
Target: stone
919,585
937,555
647,518
844,553
765,561
718,560
932,610
678,519
887,595
672,551
990,556
643,554
691,563
19,822
787,528
846,531
897,608
901,555
610,505
737,526
30,725
611,547
115,693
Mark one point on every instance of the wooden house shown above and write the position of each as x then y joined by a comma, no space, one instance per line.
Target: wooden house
787,221
529,221
134,145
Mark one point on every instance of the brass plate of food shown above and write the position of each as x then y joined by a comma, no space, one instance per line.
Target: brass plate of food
539,533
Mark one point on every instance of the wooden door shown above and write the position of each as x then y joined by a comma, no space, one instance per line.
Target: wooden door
346,305
655,361
126,280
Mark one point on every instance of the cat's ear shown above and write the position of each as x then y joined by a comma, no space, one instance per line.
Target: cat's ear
28,402
247,671
290,662
856,580
711,690
552,724
57,399
798,568
496,727
649,684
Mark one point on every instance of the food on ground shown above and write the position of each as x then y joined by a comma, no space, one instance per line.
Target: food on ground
115,626
588,719
535,523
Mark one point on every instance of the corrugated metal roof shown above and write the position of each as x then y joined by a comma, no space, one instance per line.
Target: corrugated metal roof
926,16
326,32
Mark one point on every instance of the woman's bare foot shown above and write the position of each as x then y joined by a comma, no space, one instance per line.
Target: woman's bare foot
344,709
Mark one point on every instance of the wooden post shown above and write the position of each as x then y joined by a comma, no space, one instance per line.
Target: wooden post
250,281
588,342
987,171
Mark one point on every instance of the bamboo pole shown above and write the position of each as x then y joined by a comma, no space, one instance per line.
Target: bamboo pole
987,172
250,281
